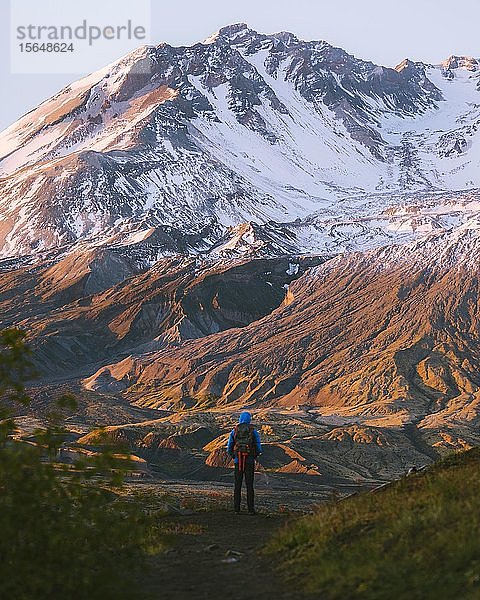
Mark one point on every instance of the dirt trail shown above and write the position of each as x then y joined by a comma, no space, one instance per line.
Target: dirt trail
215,555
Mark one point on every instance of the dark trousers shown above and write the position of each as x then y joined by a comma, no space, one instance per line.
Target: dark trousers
249,473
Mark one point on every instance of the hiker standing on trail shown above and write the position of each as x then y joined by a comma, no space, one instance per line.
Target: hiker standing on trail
244,446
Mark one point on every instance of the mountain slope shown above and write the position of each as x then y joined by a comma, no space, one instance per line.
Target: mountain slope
87,307
416,538
242,127
391,335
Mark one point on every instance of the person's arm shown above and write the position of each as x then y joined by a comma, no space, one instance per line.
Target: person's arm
258,445
230,443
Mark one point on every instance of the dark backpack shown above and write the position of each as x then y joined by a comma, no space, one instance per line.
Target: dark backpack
243,440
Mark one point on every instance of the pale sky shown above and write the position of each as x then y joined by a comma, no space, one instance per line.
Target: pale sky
383,31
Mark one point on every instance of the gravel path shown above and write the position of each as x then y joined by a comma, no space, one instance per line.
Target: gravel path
216,555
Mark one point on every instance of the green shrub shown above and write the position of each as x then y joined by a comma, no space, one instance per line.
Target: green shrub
64,531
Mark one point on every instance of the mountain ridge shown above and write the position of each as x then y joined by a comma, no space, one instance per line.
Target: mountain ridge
245,128
340,342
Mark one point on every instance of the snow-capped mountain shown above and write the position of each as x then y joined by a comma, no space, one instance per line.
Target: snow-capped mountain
155,218
298,141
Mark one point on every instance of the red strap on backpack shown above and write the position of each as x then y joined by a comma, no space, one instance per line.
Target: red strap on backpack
242,461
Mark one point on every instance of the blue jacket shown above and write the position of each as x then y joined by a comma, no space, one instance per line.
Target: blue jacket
245,417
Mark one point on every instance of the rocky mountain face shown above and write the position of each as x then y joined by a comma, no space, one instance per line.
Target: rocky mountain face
87,307
391,334
253,221
370,366
244,127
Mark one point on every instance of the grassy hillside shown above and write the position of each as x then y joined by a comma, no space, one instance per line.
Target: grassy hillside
418,538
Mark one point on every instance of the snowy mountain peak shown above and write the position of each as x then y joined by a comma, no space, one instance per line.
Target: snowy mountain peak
464,62
410,68
301,139
406,63
234,29
228,33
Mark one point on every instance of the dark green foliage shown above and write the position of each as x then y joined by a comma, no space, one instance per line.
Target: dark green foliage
65,532
416,539
15,369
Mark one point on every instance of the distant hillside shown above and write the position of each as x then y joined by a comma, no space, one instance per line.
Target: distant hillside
418,538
